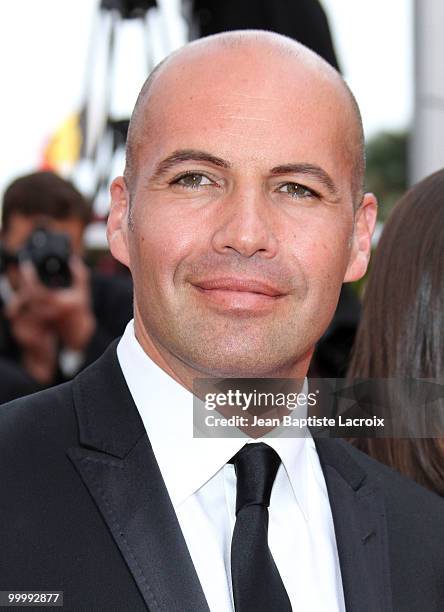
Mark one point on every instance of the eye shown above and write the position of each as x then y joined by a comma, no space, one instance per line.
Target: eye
295,190
192,180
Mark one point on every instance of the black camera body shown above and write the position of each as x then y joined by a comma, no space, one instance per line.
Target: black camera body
49,252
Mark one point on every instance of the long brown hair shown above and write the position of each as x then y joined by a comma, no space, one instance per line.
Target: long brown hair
401,333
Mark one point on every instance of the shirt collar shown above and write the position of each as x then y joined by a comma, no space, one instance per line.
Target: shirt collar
166,408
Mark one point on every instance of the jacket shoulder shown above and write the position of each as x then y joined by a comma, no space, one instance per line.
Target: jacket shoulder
406,501
43,418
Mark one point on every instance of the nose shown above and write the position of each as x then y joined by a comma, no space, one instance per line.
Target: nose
245,226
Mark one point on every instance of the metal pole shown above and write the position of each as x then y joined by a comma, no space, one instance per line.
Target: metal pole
427,150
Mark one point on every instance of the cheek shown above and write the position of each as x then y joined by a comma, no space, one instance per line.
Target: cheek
158,246
322,248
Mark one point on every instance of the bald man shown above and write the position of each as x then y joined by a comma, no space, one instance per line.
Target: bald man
240,214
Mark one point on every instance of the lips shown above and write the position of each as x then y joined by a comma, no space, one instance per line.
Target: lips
239,296
240,285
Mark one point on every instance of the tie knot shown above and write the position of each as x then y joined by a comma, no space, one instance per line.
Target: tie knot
256,466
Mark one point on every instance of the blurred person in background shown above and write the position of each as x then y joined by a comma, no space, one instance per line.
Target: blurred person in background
52,326
401,333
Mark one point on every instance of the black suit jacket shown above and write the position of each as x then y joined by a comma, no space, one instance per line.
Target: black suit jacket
84,510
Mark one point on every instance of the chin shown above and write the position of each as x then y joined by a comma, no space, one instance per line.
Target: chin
239,366
239,354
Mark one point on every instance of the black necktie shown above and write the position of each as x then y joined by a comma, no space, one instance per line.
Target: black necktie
257,584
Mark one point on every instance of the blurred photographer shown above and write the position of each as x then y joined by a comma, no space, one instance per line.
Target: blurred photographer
56,316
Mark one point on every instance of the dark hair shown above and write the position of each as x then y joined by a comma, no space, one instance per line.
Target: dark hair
401,333
44,193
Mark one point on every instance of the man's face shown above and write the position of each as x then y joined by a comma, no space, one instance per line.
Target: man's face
242,216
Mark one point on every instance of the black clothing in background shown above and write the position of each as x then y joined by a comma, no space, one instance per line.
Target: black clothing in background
112,304
14,382
84,510
112,299
332,352
302,20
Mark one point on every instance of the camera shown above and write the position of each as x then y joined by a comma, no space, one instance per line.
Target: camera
49,252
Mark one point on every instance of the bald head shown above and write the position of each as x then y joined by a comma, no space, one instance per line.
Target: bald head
242,54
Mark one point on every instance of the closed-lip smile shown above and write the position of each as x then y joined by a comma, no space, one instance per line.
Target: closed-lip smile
243,285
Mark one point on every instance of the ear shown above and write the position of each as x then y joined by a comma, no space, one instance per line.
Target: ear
365,221
117,226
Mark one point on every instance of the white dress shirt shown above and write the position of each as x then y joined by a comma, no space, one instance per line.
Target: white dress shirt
202,488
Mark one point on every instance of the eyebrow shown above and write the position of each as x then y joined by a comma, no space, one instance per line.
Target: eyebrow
310,170
184,155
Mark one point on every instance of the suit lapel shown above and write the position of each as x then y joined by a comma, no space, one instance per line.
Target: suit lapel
361,534
117,464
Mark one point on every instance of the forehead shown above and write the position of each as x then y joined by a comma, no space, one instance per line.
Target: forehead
247,106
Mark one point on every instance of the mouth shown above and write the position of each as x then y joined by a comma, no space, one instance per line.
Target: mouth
239,294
